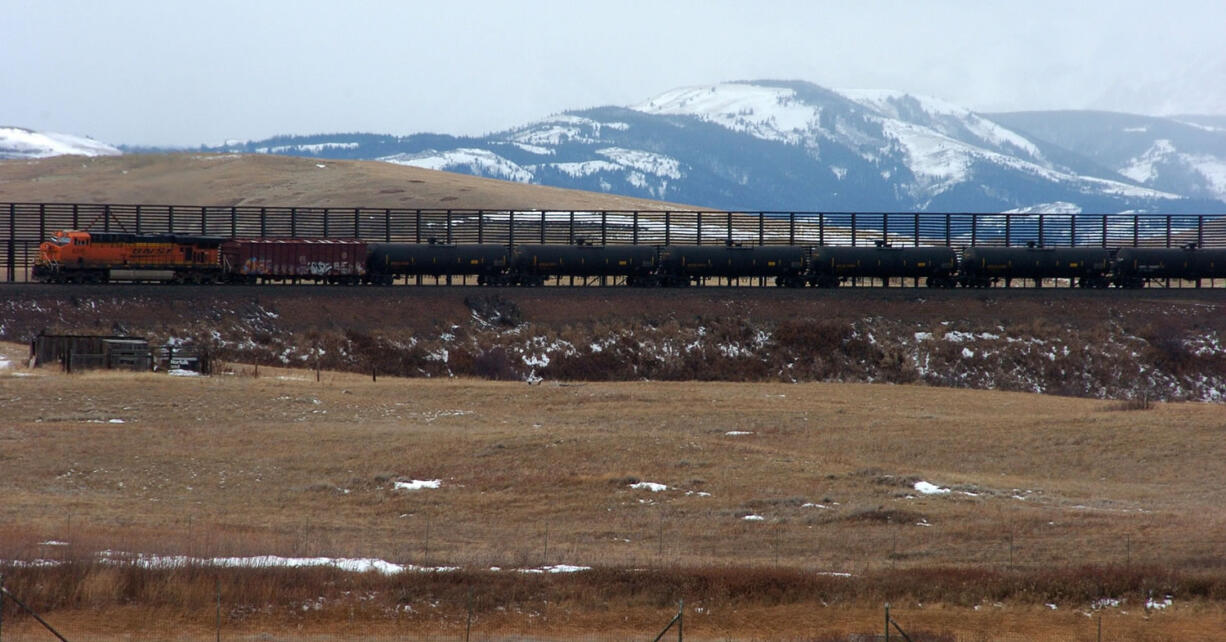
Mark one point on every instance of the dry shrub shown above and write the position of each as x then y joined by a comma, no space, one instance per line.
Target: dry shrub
494,363
495,310
805,336
1166,350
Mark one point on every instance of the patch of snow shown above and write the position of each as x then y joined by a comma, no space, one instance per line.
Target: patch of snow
480,162
585,168
927,488
1142,169
737,433
17,142
418,484
1153,604
354,565
313,148
769,113
646,162
1056,207
754,518
651,486
557,568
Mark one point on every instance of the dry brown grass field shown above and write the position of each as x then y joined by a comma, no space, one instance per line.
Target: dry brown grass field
791,510
282,181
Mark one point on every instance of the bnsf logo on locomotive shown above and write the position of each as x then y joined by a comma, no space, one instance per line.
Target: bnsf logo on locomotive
152,251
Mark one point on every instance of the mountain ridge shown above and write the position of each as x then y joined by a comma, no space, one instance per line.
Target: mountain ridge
781,145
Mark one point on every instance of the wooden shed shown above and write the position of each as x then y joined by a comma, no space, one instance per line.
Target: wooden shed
85,352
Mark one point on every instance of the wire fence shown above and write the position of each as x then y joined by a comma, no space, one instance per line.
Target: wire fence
24,225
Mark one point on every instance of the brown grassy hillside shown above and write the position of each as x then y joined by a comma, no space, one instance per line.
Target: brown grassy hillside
238,179
791,511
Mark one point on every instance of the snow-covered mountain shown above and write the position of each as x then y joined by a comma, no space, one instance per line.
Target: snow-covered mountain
1181,154
16,142
772,145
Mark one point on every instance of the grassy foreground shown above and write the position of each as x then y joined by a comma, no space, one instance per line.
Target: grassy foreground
790,511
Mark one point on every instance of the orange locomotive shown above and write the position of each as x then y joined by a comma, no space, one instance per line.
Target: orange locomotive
74,256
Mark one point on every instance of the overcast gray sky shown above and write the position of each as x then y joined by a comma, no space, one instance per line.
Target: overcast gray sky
191,72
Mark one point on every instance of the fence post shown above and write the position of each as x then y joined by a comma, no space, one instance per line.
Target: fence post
12,244
678,619
468,626
35,615
887,622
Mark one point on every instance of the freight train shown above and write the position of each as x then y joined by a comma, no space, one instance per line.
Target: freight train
75,256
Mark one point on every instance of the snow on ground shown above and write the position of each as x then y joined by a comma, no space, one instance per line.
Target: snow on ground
927,488
890,104
479,162
769,113
418,484
17,142
556,568
651,486
351,564
646,162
